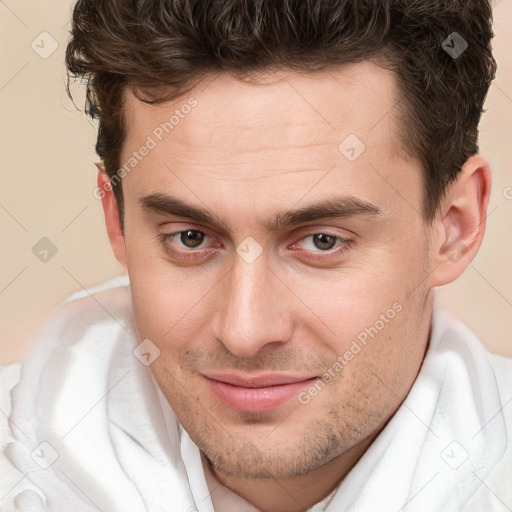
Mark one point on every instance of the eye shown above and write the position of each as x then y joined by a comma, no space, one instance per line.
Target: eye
194,244
188,244
322,246
322,241
191,238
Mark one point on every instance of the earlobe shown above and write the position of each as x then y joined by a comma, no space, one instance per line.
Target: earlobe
110,209
460,224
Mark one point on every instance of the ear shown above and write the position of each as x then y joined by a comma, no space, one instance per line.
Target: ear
109,202
460,224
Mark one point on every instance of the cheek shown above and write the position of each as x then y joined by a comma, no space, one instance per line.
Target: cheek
174,311
354,299
372,313
161,296
163,309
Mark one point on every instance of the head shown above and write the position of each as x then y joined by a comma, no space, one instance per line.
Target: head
287,183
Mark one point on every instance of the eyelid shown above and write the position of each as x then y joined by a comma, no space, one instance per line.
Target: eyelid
172,236
309,232
193,253
339,238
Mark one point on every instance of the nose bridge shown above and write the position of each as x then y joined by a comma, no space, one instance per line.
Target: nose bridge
252,312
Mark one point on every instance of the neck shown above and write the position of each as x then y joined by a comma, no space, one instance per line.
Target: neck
297,493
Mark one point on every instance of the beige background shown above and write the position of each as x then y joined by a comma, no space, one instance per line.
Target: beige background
48,176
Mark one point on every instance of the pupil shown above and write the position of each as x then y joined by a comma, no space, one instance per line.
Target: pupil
323,241
192,238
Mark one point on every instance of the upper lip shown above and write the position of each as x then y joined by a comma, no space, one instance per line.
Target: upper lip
259,381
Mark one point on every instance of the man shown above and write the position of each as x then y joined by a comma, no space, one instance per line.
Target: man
287,183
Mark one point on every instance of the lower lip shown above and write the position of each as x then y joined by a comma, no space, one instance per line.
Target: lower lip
256,399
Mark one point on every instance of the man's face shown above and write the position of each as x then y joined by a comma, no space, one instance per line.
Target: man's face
288,334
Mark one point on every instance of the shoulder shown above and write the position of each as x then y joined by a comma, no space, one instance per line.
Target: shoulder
495,492
9,377
16,492
502,367
454,329
503,371
451,331
98,309
101,311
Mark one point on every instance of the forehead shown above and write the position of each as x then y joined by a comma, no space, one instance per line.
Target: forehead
280,132
315,108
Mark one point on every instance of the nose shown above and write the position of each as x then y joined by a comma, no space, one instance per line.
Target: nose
254,309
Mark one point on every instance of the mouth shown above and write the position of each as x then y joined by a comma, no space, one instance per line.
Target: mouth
258,394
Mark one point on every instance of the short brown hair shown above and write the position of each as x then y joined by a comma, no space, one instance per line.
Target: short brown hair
146,44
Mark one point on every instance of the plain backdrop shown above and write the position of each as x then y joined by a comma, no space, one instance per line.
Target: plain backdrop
48,178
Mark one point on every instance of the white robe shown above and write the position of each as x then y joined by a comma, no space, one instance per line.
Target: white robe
86,428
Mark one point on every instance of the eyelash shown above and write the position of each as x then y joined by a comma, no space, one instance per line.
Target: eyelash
344,245
186,255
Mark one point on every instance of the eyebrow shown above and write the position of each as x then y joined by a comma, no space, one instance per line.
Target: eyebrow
335,207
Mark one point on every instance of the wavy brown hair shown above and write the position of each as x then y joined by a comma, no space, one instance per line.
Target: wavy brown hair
162,48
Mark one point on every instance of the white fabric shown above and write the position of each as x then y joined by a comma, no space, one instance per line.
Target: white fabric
86,397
